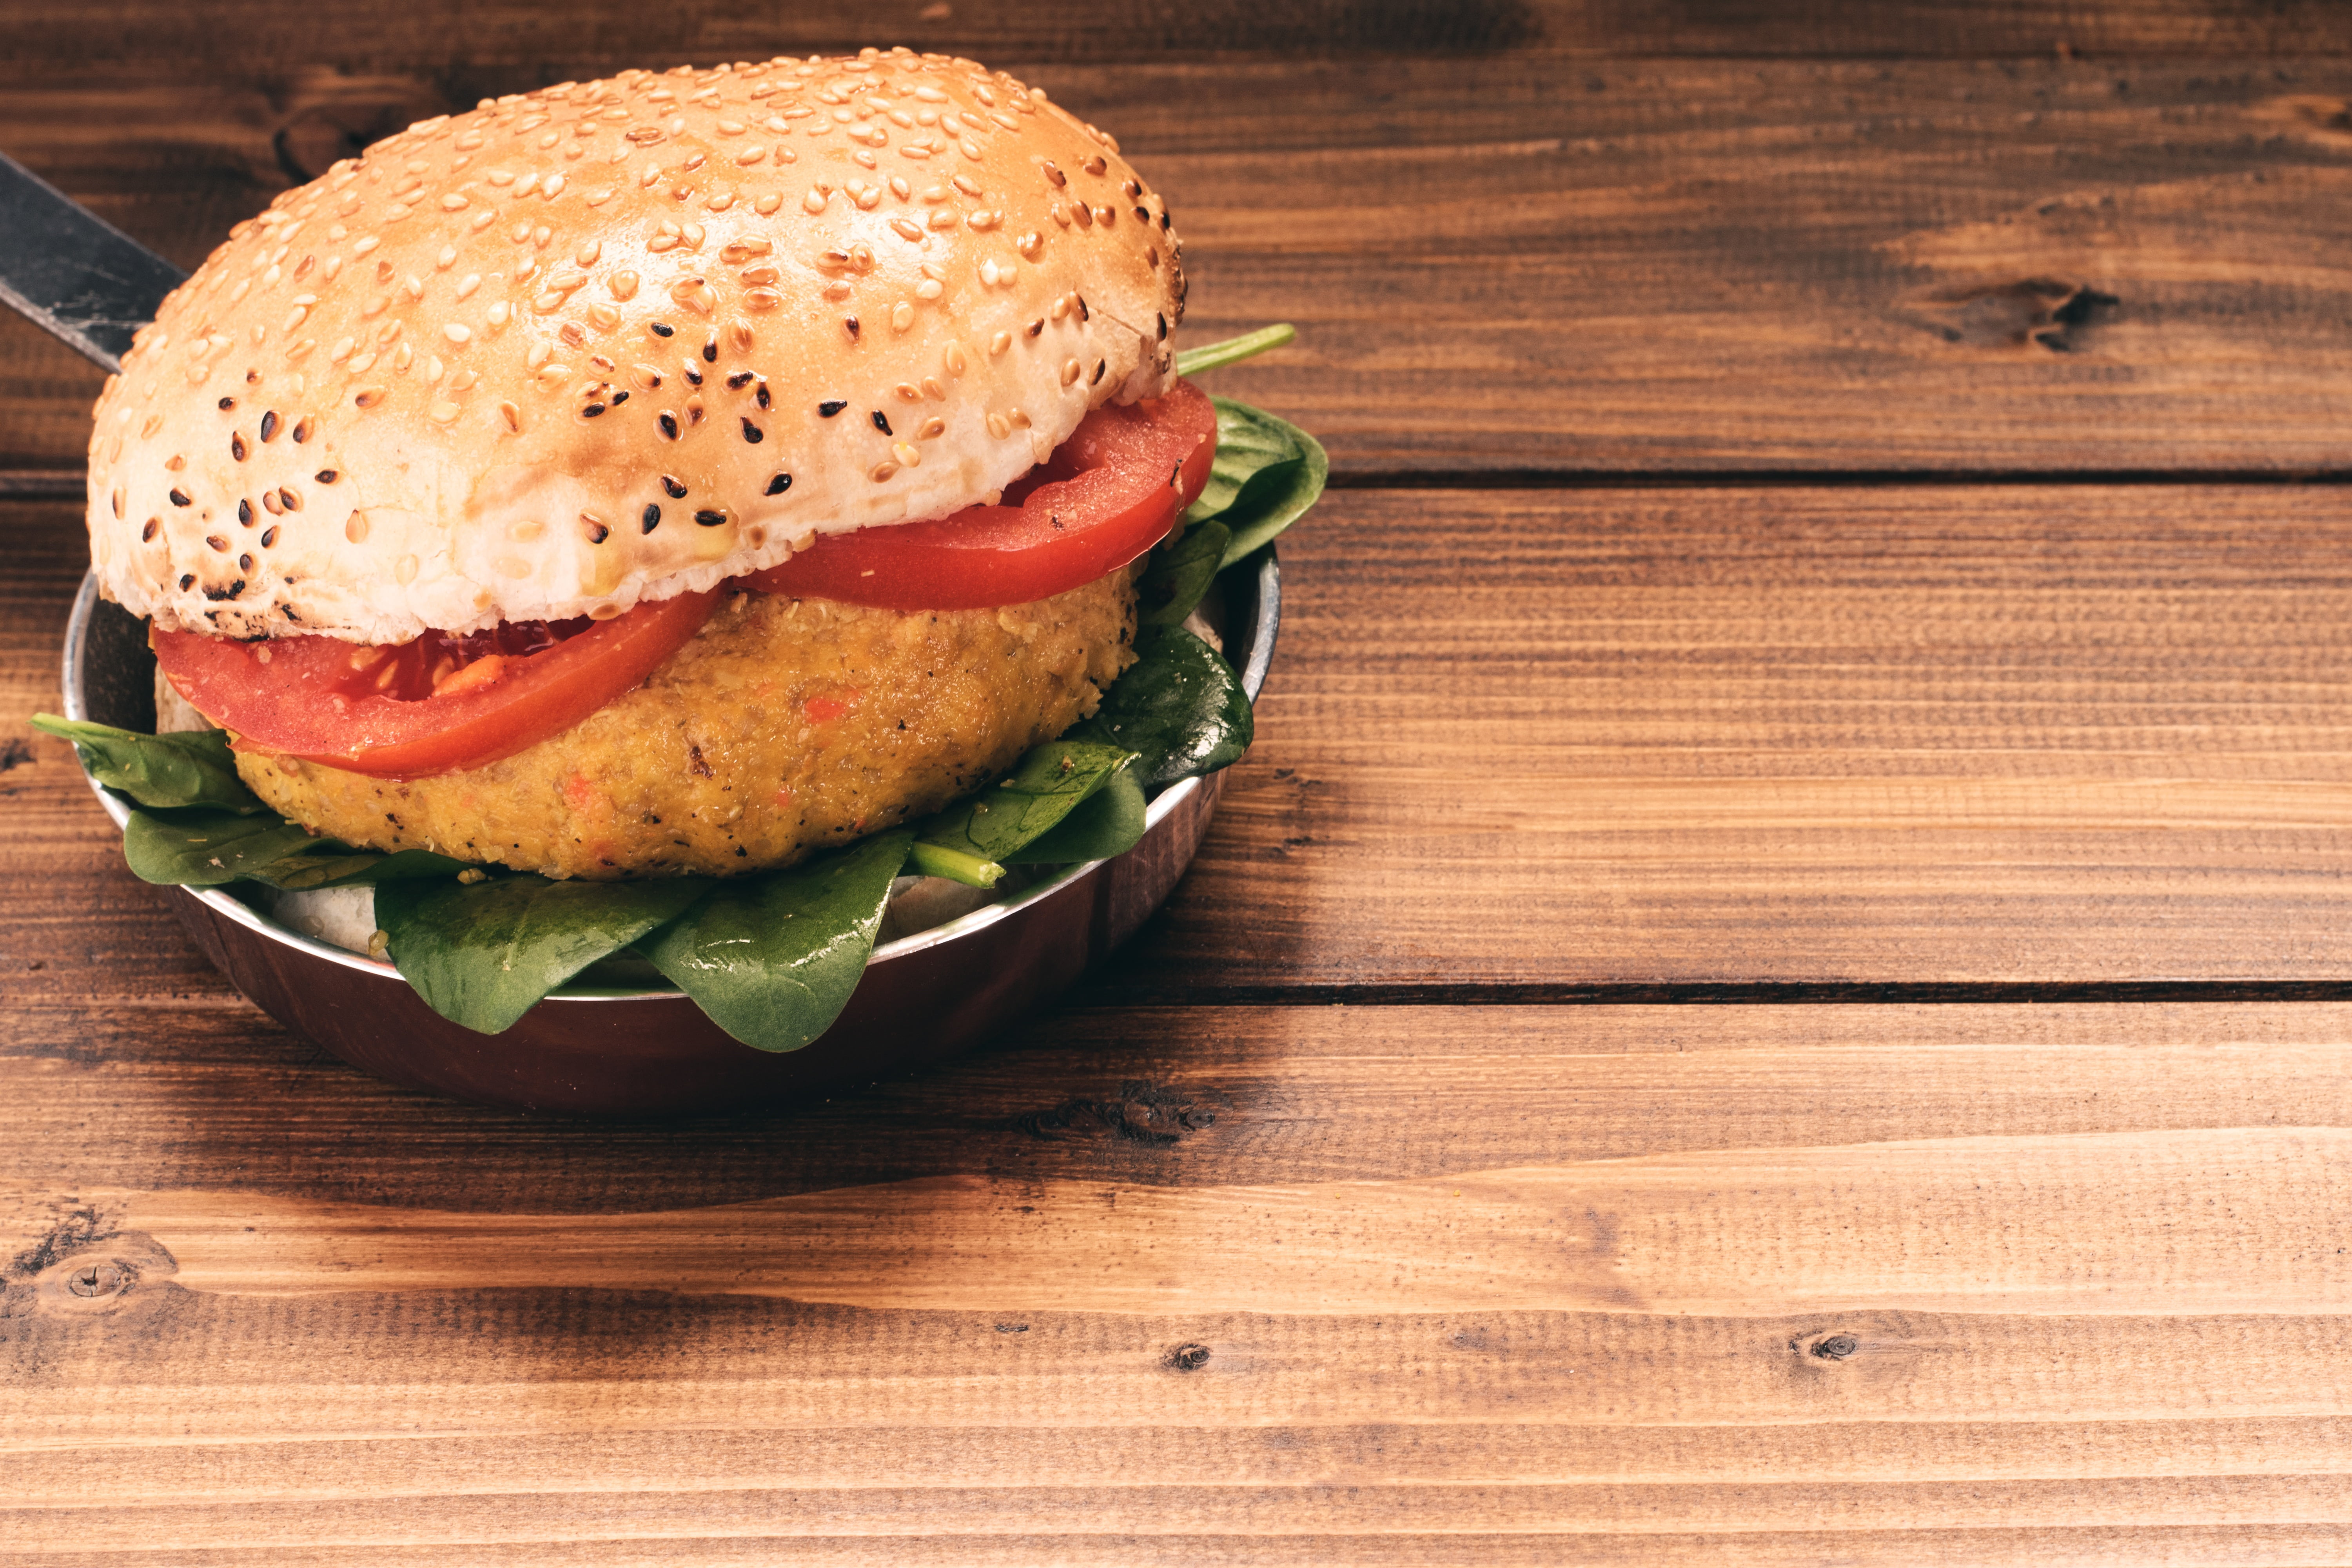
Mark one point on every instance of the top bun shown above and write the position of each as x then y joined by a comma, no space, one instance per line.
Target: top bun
617,341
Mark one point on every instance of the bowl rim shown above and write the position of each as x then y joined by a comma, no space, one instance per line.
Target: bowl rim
1264,625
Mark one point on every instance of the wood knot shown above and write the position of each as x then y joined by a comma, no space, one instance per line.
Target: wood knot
2047,313
1835,1347
1187,1357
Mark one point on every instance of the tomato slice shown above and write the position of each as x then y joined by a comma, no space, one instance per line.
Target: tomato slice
1111,492
443,702
429,706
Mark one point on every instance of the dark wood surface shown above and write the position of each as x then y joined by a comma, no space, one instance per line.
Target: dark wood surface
1835,502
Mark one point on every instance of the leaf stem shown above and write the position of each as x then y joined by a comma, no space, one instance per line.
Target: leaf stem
936,860
1212,357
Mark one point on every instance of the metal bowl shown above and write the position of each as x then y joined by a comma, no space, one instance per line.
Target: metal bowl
609,1051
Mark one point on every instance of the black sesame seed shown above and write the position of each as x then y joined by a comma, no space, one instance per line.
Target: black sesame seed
693,375
851,322
762,396
245,562
597,532
675,485
652,516
1163,328
668,422
269,425
751,432
1100,366
882,421
830,407
710,350
245,513
270,536
780,484
619,398
180,498
302,430
187,580
662,331
217,543
327,475
738,381
237,447
593,410
147,534
227,404
1084,314
710,518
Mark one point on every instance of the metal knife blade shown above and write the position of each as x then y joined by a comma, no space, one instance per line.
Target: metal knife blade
72,272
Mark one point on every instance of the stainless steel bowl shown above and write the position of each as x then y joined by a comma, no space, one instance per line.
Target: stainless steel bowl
608,1051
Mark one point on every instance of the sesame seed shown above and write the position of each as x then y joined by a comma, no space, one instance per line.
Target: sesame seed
216,542
180,497
619,398
595,529
187,580
668,422
851,323
649,519
675,485
740,380
882,471
761,394
779,485
710,350
291,497
512,414
147,534
269,425
245,513
237,447
710,518
592,410
270,536
303,429
881,423
661,330
245,562
327,475
457,333
830,407
999,343
752,432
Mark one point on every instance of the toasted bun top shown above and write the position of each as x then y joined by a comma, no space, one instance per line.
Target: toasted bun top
617,341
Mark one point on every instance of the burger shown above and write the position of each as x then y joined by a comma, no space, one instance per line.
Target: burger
435,478
677,475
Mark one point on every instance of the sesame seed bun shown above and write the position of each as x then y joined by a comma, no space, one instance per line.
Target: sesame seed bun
620,341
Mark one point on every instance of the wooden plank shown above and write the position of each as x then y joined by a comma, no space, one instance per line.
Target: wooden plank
482,44
1554,744
1531,263
482,1378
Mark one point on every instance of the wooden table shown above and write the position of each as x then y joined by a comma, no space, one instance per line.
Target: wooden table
1772,991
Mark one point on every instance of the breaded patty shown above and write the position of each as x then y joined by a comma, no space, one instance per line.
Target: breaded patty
784,726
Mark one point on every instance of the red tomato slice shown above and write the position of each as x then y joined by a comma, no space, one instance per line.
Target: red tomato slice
1111,492
430,706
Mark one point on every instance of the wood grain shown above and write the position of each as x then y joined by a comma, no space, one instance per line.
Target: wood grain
1527,263
1560,743
481,1381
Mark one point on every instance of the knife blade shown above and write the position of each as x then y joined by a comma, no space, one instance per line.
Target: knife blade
73,273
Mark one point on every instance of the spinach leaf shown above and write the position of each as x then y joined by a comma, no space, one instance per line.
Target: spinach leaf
773,960
1016,810
1266,474
1209,356
1108,822
1180,573
1180,705
205,846
190,768
483,955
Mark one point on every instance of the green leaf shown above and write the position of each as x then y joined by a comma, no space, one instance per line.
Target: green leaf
483,955
205,846
1108,822
1180,573
190,768
1193,361
1181,706
1015,811
1266,474
773,959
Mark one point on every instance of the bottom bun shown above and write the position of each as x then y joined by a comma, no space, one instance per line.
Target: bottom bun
785,726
